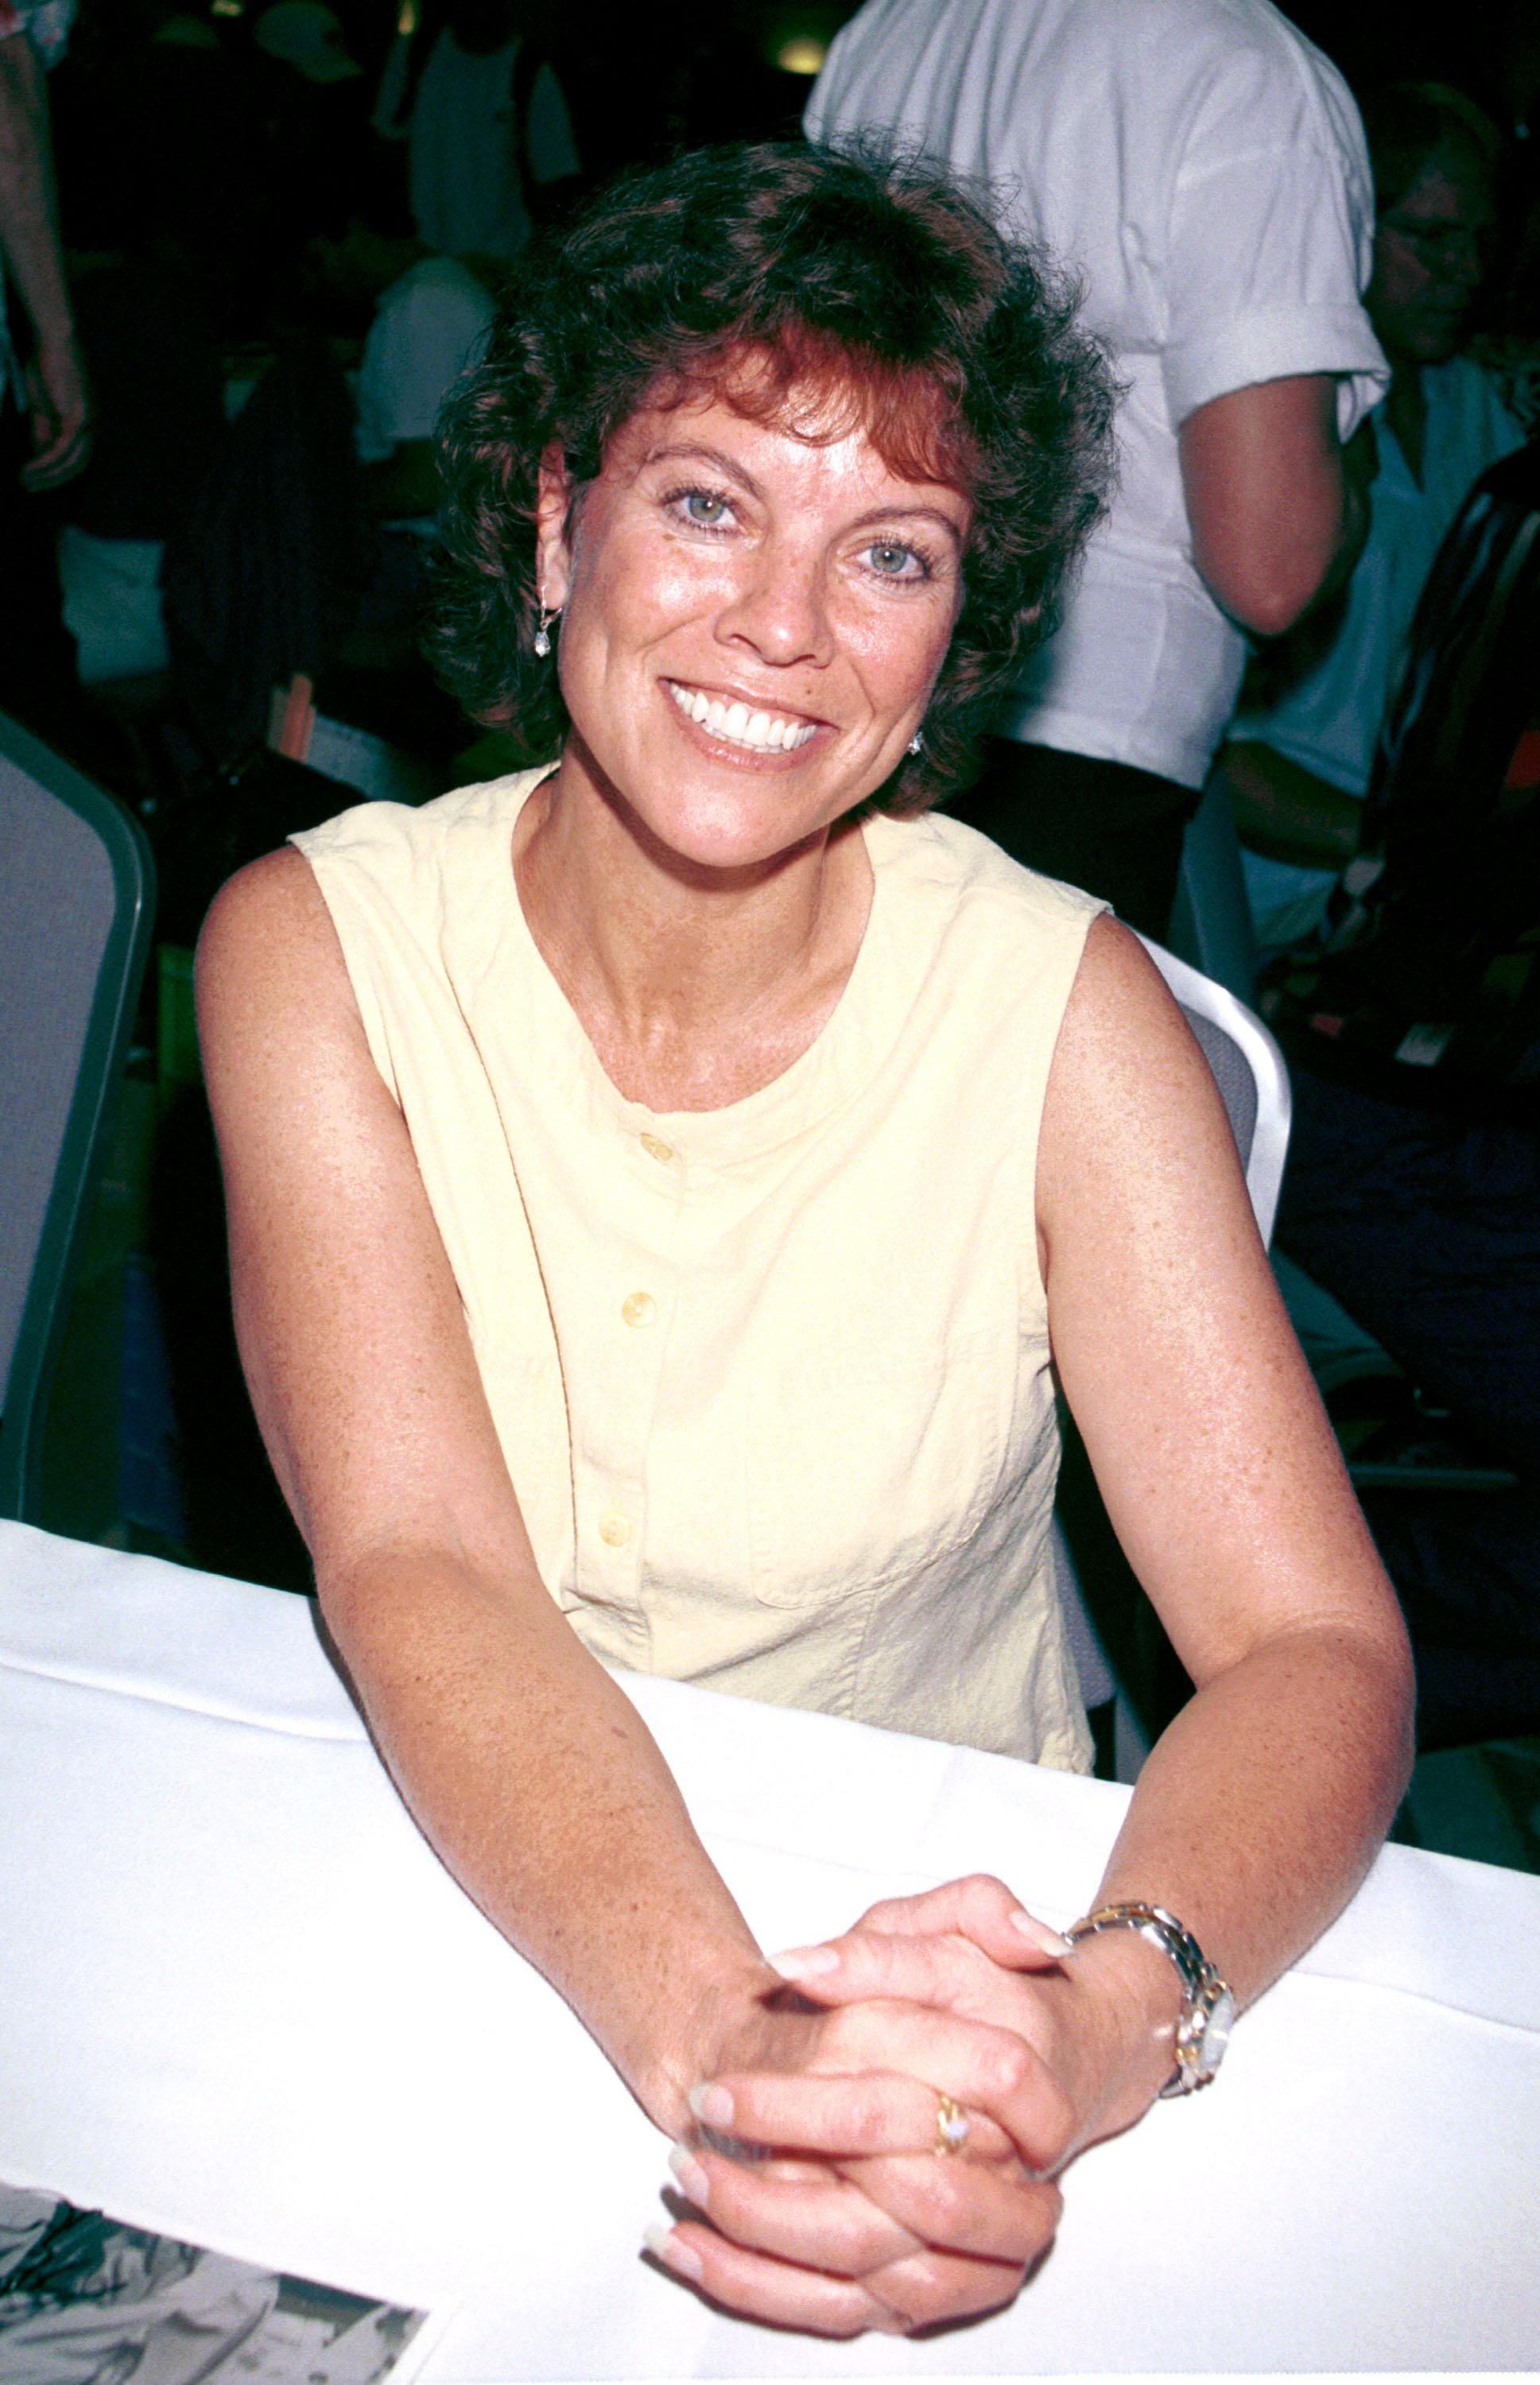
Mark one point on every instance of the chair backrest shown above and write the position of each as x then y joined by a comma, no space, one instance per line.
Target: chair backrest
1249,1069
75,905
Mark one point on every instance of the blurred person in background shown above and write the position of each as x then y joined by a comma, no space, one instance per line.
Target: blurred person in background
1200,167
45,409
311,96
489,139
1298,766
1411,1026
427,318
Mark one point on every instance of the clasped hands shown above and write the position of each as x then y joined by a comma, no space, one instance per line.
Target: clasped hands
853,2219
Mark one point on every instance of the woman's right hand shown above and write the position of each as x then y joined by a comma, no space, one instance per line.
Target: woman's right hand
812,2164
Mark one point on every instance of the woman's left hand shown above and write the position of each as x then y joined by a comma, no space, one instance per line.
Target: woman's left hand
1099,2018
906,2239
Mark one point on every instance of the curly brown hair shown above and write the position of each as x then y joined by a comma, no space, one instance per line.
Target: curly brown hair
811,286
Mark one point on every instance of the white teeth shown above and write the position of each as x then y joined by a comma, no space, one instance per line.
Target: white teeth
761,731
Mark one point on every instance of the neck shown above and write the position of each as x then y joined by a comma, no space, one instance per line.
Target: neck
695,985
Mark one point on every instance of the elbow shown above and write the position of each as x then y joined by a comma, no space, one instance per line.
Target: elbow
1269,612
1273,593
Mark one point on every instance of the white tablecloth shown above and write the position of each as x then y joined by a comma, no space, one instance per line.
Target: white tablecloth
242,2001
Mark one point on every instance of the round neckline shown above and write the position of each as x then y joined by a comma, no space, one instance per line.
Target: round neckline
813,1084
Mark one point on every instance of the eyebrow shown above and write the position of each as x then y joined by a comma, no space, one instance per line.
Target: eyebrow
690,453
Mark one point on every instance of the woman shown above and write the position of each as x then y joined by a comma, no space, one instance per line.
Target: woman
654,1180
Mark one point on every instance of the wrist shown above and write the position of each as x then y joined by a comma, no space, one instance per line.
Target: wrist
720,2027
1122,2000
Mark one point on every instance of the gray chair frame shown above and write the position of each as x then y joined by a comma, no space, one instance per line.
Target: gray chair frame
95,1058
1251,1074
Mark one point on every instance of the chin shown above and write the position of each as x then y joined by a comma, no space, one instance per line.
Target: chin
727,834
1438,342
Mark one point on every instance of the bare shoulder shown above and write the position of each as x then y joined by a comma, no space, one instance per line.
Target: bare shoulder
1132,1111
272,985
1123,1030
270,911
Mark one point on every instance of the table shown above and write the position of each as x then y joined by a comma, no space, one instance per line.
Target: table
243,2003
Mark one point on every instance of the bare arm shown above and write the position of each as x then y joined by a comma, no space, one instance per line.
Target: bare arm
29,241
1262,1808
510,1742
1288,812
524,1766
1277,521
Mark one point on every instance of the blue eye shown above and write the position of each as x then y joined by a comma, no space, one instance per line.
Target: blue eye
893,560
705,507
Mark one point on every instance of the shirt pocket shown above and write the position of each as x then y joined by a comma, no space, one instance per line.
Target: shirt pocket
859,1469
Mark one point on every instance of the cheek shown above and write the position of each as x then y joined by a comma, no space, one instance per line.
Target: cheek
1399,281
898,650
635,593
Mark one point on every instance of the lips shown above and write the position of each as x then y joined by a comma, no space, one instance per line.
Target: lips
758,731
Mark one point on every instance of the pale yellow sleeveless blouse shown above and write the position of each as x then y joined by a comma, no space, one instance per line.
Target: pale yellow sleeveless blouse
773,1381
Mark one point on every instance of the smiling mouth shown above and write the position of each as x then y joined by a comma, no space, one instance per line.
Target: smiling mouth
760,732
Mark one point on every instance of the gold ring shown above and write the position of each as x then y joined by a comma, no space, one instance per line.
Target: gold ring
952,2126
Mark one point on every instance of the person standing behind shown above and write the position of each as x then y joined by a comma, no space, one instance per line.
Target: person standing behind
1299,767
486,126
1200,167
51,440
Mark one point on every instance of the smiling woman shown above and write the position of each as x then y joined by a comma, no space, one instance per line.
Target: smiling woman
828,294
671,1188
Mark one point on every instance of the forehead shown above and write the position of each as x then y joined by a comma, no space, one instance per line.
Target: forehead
818,394
812,446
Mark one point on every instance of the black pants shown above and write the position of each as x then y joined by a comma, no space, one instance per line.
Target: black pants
1103,825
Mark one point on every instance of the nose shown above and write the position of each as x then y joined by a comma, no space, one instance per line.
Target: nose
780,610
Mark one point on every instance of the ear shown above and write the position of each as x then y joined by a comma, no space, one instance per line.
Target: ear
553,518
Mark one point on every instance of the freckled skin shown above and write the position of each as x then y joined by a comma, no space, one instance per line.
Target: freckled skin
792,601
800,577
703,907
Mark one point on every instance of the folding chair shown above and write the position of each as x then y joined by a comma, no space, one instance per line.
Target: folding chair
75,905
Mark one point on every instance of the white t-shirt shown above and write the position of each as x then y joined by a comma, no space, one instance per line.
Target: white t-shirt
464,150
429,325
1201,168
1329,723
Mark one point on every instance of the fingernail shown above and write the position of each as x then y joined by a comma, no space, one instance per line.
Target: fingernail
691,2176
1047,1941
683,2258
713,2105
805,1962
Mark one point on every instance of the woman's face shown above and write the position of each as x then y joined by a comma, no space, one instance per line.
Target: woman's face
1430,255
751,624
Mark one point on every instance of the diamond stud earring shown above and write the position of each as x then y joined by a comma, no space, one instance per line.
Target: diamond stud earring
917,744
